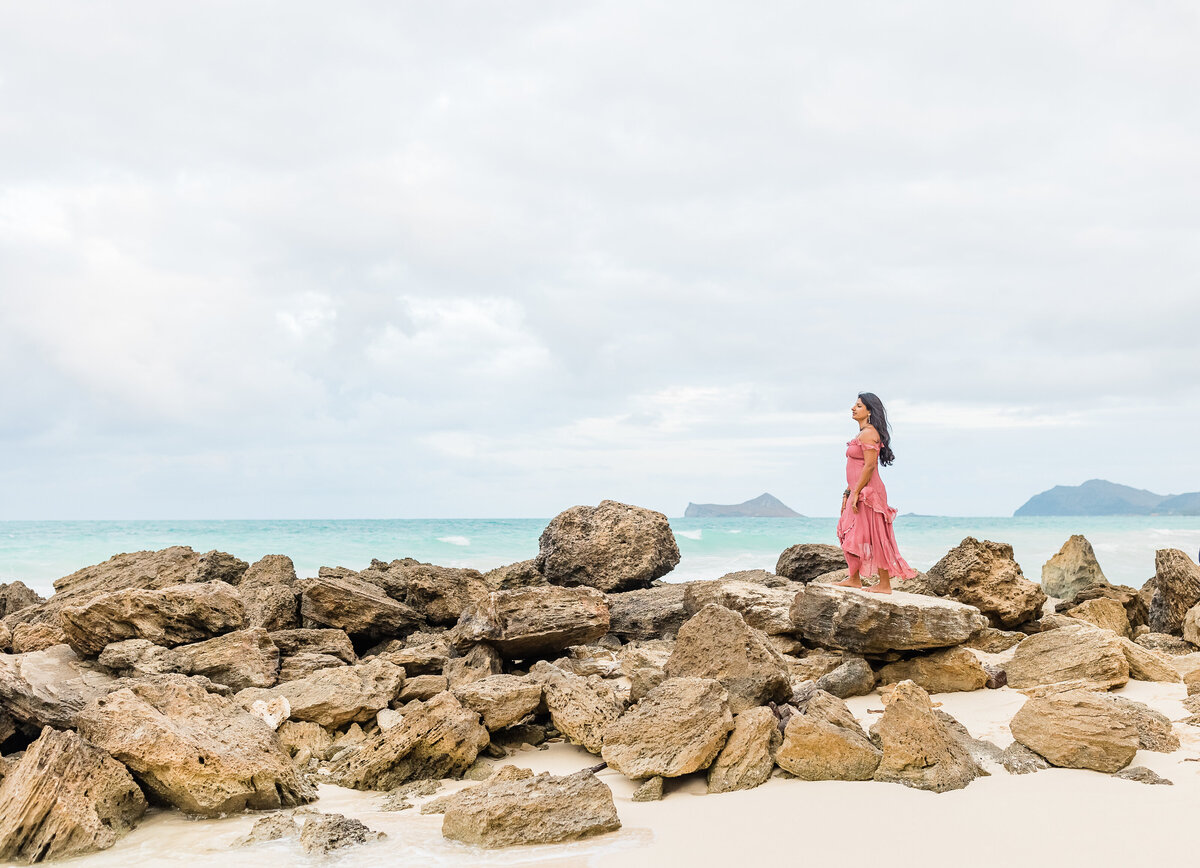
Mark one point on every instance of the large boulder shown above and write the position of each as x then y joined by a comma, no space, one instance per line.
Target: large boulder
436,739
948,671
824,742
268,594
440,594
324,833
1081,653
359,608
648,613
536,810
65,797
15,596
501,700
865,623
580,708
1103,612
1147,665
806,561
333,643
985,575
193,749
139,658
1077,729
522,574
36,637
854,677
49,687
535,622
1136,609
718,643
765,608
1176,590
475,663
1072,569
918,749
243,658
748,757
176,615
611,547
678,728
338,695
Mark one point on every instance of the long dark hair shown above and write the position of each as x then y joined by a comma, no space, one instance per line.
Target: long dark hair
880,421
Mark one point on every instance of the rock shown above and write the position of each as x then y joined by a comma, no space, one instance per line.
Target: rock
273,827
267,592
64,798
806,561
420,654
650,790
996,677
176,615
398,799
538,810
389,717
440,594
15,596
425,687
501,700
1154,728
764,608
1072,569
299,666
138,658
955,669
823,742
36,637
272,712
717,643
357,607
1187,665
243,658
215,566
985,575
591,660
49,687
437,739
677,729
1191,627
649,613
193,749
535,622
993,641
853,678
522,574
748,757
1077,729
324,833
304,740
1020,760
1135,608
814,664
981,750
136,570
1176,589
580,708
642,681
652,653
1066,654
1103,613
270,570
1147,665
339,695
867,623
1142,775
610,547
918,750
334,643
1165,643
481,661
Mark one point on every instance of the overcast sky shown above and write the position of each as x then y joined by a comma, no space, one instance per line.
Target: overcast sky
494,259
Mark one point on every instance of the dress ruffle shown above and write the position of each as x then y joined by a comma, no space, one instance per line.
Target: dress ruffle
868,534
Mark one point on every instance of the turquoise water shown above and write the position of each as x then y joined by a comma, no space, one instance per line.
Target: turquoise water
38,552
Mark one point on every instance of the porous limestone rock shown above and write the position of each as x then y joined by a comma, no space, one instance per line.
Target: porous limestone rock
748,757
649,790
522,574
611,547
338,695
1072,569
854,677
1136,609
993,641
1077,729
334,643
1104,613
806,561
1066,654
955,669
824,742
65,797
424,687
273,827
36,637
1165,643
358,607
501,700
535,622
268,595
813,664
302,665
324,833
1147,665
138,658
1176,589
985,575
580,708
868,623
1142,775
49,687
677,729
647,613
243,658
15,596
764,608
478,662
304,740
1020,760
918,749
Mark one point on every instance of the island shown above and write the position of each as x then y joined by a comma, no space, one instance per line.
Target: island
763,506
1101,497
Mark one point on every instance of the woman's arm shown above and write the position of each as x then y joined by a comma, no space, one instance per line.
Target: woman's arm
870,460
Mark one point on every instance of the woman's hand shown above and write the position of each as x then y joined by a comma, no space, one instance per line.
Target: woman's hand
854,501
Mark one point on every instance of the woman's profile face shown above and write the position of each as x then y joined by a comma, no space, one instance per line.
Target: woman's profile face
859,411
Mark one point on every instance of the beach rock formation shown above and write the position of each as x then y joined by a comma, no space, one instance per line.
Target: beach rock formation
363,610
1081,653
36,637
824,742
324,833
649,613
611,547
853,677
763,607
1176,589
717,643
1165,643
49,687
918,750
439,594
337,696
1191,626
1136,608
522,574
15,596
748,757
580,708
1147,665
268,593
243,658
535,622
804,562
993,641
1077,729
193,749
985,575
65,797
1072,569
677,729
955,669
501,700
866,623
1103,612
546,809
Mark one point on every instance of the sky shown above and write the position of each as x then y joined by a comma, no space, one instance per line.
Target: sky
411,259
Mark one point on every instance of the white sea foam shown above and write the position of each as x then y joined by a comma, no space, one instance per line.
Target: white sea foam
690,534
455,540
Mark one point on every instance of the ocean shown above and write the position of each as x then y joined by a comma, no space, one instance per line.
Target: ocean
38,552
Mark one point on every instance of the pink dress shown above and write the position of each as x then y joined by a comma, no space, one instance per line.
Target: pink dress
867,535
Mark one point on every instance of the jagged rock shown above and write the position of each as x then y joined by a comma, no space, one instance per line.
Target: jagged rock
1165,643
1147,665
267,592
424,687
867,623
439,738
981,750
273,827
15,596
642,681
1176,589
955,669
272,712
814,664
650,790
501,700
522,574
748,757
65,797
1077,729
339,695
193,749
5,638
537,810
535,622
1069,653
1072,569
1103,613
1020,760
49,687
334,643
611,547
299,666
993,641
138,658
176,615
580,708
439,594
985,575
481,661
358,607
717,643
918,750
324,833
919,584
764,608
853,678
653,653
677,729
36,637
649,613
590,660
1142,775
823,742
398,799
806,561
243,658
1154,728
1135,607
304,740
134,570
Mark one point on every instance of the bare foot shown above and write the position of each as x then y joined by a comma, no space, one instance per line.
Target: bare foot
881,588
849,583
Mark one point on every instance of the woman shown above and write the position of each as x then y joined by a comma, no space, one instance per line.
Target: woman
865,527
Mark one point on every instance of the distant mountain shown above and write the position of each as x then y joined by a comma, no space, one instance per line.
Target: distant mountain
1101,497
763,506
